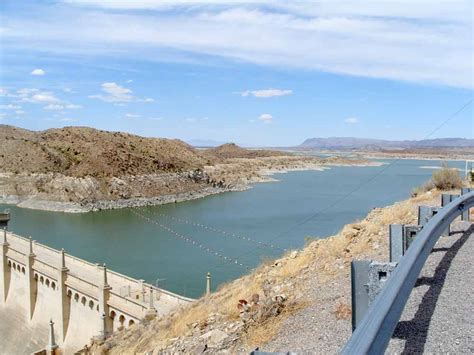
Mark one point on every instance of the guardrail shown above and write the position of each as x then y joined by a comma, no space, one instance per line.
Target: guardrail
373,332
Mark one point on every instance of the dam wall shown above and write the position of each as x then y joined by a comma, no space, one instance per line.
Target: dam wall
39,284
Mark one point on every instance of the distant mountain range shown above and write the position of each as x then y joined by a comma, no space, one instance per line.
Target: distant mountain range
345,143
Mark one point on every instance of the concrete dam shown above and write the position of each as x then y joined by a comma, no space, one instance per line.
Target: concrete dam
39,284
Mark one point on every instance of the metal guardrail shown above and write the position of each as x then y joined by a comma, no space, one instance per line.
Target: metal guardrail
375,330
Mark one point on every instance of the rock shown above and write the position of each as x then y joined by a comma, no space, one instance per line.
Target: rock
199,349
214,338
293,254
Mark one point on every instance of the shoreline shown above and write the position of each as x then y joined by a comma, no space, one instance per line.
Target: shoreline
265,175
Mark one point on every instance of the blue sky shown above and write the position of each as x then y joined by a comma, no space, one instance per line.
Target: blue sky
257,73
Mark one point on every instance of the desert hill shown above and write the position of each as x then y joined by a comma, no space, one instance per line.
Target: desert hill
82,151
231,150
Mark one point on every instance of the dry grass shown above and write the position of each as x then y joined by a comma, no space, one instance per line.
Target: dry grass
266,330
342,311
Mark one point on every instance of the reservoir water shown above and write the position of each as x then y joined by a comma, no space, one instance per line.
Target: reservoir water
283,213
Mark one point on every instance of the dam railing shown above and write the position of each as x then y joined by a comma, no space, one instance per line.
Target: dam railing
374,331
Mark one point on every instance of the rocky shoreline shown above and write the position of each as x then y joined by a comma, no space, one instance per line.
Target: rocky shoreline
76,207
198,184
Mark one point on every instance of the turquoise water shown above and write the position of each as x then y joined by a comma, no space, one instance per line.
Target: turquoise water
301,204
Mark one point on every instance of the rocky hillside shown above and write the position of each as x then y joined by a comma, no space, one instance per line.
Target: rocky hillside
80,169
231,151
82,151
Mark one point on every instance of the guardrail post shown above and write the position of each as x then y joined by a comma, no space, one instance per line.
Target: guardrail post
367,280
425,213
359,290
401,236
379,273
465,215
447,198
396,241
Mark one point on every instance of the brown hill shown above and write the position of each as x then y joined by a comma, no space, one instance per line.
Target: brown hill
232,150
82,151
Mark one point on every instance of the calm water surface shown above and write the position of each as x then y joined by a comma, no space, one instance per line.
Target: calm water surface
269,212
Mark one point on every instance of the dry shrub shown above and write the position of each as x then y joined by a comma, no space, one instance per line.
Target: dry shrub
447,179
444,179
263,332
342,311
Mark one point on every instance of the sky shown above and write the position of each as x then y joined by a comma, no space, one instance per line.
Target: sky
260,73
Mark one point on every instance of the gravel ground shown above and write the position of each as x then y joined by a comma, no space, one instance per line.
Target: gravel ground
438,317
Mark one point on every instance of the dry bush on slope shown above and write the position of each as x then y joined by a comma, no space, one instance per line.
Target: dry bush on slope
444,179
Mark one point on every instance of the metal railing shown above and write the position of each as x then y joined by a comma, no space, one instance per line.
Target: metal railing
373,333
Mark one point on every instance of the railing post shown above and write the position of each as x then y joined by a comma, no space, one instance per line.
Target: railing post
5,272
64,300
104,293
31,283
208,283
151,311
52,346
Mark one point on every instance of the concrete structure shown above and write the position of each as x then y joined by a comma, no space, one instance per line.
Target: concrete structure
39,285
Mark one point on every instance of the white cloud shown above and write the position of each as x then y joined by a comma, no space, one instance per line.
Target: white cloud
351,120
38,72
266,118
67,119
193,119
10,107
418,41
114,93
60,107
44,97
118,94
266,93
132,115
20,112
